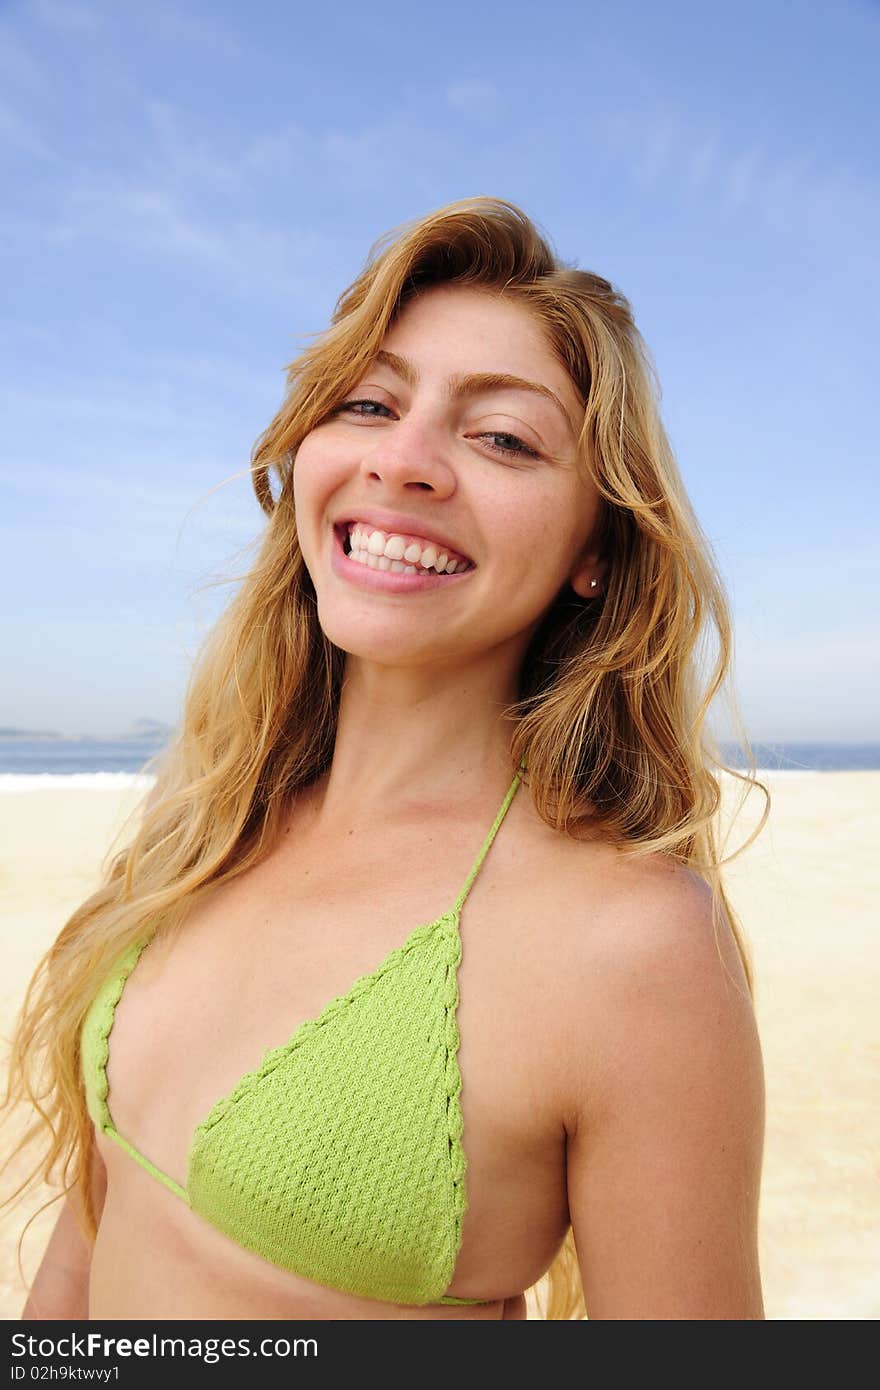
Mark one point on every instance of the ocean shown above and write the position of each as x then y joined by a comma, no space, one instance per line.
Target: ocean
28,764
809,757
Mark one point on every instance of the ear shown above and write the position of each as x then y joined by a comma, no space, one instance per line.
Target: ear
590,566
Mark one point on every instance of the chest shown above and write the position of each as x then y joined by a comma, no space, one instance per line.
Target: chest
268,952
306,937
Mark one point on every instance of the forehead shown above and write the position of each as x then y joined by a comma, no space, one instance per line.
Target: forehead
462,328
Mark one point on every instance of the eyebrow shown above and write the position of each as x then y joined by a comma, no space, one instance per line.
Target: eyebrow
462,385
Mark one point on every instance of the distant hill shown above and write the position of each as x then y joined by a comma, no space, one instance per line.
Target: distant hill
6,732
141,731
147,728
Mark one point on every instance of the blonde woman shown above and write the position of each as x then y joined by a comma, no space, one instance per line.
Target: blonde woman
418,988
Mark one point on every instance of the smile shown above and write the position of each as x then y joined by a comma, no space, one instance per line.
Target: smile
368,558
404,554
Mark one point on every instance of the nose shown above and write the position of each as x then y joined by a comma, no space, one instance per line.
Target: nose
410,452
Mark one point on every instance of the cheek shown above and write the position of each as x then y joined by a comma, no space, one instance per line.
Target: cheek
315,477
309,504
536,544
523,580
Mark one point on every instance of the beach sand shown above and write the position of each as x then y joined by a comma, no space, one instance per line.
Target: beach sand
806,893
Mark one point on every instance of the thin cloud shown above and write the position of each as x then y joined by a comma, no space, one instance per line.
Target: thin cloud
177,26
141,492
809,679
64,16
136,215
154,221
83,408
703,159
19,70
129,528
185,157
474,98
804,193
742,180
18,133
278,151
660,145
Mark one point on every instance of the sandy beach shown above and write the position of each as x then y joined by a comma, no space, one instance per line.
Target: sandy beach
807,895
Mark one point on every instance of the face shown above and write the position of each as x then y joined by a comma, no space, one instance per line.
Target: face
490,474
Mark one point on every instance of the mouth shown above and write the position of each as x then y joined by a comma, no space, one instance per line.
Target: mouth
386,574
408,560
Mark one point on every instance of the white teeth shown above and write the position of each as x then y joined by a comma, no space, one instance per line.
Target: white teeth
370,546
362,557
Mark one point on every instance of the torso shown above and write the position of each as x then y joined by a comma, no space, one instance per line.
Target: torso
257,957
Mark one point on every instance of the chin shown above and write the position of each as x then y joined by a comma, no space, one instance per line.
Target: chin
378,637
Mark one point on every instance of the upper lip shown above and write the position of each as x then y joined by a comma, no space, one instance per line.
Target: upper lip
402,525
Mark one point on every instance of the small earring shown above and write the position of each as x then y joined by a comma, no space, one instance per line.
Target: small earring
592,583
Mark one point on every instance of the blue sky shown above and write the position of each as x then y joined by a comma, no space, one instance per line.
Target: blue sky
188,187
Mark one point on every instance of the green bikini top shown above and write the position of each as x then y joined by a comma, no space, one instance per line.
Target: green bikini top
340,1157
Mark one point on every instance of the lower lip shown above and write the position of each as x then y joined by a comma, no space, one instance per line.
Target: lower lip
386,581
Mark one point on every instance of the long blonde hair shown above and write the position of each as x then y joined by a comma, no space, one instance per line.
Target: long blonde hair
612,706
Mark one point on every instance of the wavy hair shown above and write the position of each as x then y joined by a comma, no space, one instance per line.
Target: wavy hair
613,697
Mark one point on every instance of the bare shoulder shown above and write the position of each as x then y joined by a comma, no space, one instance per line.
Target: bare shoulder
658,970
662,1092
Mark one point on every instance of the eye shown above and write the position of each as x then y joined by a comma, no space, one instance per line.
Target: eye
350,405
518,449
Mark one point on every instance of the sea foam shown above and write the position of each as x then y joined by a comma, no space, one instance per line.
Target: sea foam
91,781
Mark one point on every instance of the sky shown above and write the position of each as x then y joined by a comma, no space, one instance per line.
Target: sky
189,187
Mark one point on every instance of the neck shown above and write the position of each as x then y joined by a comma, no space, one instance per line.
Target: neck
409,742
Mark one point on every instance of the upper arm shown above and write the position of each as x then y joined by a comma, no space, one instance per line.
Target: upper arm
667,1099
60,1289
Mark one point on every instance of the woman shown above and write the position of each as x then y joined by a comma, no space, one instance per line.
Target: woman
442,763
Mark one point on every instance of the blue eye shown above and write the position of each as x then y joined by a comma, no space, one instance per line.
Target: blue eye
520,448
350,405
504,449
